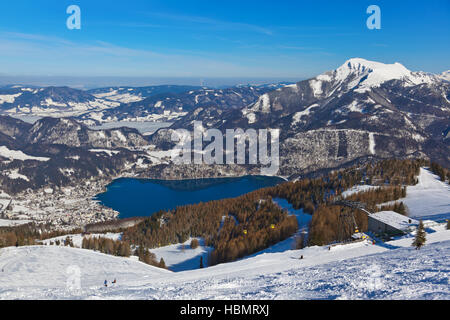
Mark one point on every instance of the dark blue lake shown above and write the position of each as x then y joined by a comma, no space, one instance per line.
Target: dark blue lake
143,197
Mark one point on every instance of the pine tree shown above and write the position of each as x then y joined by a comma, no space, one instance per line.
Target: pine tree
420,239
85,243
194,244
301,241
124,249
68,242
162,263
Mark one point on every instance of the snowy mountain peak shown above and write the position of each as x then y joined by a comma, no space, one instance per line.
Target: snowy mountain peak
348,89
367,74
445,75
361,75
361,64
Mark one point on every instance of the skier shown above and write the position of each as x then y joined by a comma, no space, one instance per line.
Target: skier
106,283
115,281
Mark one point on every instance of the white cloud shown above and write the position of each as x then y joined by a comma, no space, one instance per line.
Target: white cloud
220,24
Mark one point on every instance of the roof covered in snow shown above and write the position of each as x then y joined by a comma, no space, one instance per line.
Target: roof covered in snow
395,220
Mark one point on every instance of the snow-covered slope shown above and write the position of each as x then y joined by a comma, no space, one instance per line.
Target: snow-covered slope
177,257
359,271
391,270
77,239
115,95
445,75
430,198
181,257
18,155
11,223
135,94
42,271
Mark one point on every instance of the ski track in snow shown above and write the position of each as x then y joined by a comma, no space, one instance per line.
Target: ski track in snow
372,143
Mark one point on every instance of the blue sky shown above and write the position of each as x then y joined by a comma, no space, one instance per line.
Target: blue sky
223,39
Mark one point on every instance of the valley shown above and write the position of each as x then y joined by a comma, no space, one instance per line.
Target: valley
361,112
213,158
370,132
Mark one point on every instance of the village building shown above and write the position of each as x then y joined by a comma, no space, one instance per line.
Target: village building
392,223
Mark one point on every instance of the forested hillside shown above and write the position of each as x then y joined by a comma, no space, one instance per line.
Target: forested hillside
247,224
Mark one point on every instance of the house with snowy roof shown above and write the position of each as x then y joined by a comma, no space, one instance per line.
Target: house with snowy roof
390,222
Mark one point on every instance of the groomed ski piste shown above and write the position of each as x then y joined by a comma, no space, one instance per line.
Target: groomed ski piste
363,270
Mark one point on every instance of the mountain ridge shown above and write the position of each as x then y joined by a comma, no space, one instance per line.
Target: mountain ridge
343,115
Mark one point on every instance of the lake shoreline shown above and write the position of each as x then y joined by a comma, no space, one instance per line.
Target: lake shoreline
154,195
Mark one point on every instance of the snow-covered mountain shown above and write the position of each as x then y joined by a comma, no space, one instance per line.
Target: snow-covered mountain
68,132
359,111
135,94
360,74
54,101
96,106
354,87
362,109
446,75
171,103
61,151
71,133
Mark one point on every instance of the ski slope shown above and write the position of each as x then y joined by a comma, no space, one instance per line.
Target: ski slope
390,270
429,199
177,257
42,272
181,257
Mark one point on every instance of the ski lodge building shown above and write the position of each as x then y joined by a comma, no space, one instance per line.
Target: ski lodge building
390,222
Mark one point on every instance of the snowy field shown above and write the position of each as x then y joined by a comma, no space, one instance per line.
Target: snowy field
144,127
29,119
18,155
180,257
357,189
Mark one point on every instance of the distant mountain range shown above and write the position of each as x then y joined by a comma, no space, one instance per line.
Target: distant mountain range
153,103
173,106
59,152
361,111
55,101
133,94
